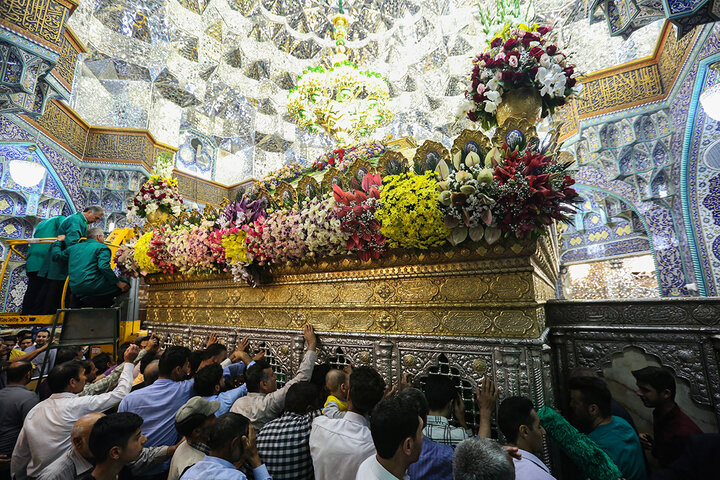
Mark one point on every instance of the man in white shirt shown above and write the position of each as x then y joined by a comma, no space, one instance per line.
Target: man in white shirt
339,445
264,402
46,433
397,432
519,422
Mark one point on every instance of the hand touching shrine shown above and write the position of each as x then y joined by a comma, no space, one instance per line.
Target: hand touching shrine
310,337
486,396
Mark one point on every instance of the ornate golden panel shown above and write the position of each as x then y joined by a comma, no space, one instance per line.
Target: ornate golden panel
42,20
65,68
60,123
481,292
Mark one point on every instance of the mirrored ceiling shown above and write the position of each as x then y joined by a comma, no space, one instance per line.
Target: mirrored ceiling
211,76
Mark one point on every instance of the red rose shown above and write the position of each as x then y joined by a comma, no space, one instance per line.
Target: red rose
527,39
472,116
496,42
536,52
514,53
570,82
533,72
569,71
510,44
507,76
552,49
544,30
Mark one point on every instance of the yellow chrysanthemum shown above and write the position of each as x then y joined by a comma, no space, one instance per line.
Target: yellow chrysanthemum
141,253
409,211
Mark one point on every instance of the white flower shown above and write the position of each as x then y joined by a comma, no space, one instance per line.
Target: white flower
545,60
493,96
534,44
490,107
493,84
500,56
513,61
552,79
150,208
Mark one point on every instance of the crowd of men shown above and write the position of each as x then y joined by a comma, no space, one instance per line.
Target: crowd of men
80,255
212,414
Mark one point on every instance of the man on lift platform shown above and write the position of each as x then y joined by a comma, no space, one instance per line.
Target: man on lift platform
73,228
38,254
92,282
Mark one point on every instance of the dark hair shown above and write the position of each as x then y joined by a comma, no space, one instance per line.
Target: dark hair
173,357
367,388
215,349
46,330
513,412
439,391
228,427
112,430
67,354
207,378
17,371
415,398
658,378
102,361
186,427
60,376
392,421
256,374
195,360
87,365
594,391
121,351
147,360
139,340
300,396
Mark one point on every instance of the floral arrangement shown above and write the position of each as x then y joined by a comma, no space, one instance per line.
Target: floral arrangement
343,157
518,58
287,173
157,194
533,190
409,212
141,255
357,216
322,228
466,200
277,238
240,212
125,260
514,191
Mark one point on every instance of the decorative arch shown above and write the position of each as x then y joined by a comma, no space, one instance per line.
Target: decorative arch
689,165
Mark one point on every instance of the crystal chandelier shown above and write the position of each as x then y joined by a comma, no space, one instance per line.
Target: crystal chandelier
343,101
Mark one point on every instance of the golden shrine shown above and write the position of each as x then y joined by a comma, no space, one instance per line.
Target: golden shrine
479,291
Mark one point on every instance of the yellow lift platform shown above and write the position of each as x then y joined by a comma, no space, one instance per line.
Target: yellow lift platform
14,320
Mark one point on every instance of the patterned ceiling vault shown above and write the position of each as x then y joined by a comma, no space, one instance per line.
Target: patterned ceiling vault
222,68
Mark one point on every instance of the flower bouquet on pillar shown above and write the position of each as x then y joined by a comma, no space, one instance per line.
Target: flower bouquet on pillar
522,75
157,200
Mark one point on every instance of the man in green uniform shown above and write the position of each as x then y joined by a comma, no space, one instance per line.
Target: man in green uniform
73,228
37,255
92,281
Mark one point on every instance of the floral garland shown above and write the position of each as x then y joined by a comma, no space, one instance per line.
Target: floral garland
287,173
518,58
408,211
157,194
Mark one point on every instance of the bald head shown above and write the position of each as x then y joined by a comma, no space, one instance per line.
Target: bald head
334,380
151,372
80,434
